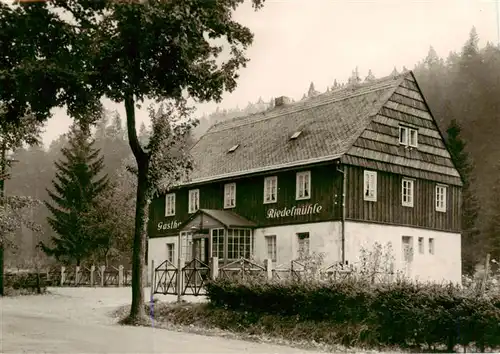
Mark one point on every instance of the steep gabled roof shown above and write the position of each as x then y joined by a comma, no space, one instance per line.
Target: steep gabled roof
329,124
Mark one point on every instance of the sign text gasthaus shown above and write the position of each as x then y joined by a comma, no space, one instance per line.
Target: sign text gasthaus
306,209
168,225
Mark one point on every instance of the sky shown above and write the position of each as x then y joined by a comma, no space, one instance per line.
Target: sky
302,41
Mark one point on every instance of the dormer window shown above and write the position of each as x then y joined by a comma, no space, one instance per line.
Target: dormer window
295,135
408,136
233,148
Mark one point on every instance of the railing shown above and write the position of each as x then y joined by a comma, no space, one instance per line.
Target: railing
242,269
83,276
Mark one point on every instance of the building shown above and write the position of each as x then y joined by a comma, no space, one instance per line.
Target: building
271,184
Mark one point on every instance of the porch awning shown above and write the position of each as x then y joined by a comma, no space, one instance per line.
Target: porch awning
204,219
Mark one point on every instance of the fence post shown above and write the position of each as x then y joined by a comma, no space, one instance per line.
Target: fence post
214,270
92,270
102,269
152,280
120,275
269,268
145,277
63,275
77,275
180,278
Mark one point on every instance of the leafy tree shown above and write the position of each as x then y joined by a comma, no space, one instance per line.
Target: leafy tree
12,216
12,137
470,206
150,49
77,188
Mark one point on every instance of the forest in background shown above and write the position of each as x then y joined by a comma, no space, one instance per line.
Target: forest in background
464,87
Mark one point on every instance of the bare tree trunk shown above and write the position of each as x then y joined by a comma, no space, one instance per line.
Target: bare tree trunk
137,309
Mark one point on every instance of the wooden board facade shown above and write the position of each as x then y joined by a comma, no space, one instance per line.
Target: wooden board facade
326,186
388,208
378,146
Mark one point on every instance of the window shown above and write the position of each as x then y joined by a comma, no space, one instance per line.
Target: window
239,243
233,148
441,198
407,248
431,246
270,189
370,193
421,245
170,204
303,243
170,252
408,136
218,243
230,195
271,247
187,245
403,135
303,185
407,192
194,200
413,138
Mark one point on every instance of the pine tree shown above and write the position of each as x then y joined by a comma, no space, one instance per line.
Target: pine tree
493,224
470,207
312,90
77,188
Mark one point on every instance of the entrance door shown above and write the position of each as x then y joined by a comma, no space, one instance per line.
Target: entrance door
200,248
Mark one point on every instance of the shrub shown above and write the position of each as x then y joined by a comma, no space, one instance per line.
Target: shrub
400,313
25,282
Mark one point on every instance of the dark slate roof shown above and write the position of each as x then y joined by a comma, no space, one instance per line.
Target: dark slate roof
330,124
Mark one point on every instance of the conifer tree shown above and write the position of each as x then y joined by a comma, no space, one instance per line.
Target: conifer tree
77,187
470,206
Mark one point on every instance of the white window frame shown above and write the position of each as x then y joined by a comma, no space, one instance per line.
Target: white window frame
371,188
268,186
404,188
170,201
403,140
406,139
193,207
229,195
410,143
441,196
171,244
301,180
271,247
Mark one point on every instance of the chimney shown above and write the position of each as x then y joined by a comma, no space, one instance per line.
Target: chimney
281,101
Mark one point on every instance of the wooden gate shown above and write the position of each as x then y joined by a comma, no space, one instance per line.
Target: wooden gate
196,275
165,279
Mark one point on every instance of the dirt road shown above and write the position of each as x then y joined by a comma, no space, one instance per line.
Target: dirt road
75,320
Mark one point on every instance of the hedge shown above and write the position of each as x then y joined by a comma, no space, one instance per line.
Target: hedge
25,281
401,314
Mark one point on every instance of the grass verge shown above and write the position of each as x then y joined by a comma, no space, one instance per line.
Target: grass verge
207,320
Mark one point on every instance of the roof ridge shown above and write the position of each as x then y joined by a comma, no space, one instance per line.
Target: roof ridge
326,98
322,95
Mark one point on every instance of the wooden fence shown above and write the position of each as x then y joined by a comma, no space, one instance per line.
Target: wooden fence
92,276
168,278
